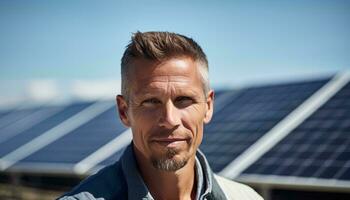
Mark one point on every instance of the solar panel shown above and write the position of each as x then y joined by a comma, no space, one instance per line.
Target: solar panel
248,116
318,148
36,116
80,143
13,116
19,139
4,112
220,93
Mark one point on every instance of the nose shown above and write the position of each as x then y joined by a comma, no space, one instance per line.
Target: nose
170,116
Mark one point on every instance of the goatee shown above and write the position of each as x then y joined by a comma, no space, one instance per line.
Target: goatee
168,162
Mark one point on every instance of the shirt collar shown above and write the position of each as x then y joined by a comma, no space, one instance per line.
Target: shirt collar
212,189
137,189
206,175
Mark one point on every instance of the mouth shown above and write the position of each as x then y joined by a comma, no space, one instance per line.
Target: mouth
171,142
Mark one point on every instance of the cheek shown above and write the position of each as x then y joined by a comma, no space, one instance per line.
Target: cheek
193,119
146,114
142,124
194,114
144,118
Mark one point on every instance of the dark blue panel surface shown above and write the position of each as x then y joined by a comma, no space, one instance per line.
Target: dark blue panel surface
22,138
4,112
31,120
83,141
220,93
15,115
319,147
250,114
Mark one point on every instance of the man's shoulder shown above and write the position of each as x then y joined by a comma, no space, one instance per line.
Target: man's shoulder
234,190
106,184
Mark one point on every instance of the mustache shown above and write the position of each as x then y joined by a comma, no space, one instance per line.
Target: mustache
174,133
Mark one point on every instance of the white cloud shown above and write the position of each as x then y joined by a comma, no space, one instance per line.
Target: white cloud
35,92
95,89
43,90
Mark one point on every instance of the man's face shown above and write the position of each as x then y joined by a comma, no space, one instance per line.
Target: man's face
166,111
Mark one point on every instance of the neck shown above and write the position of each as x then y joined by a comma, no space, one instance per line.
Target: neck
179,184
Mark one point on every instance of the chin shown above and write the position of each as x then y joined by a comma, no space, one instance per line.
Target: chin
170,160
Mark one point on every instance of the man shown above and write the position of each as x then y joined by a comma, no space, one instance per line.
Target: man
166,100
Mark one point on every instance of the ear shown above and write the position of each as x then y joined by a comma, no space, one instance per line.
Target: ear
210,106
122,107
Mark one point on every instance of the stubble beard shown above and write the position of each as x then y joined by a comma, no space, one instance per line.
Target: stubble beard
168,162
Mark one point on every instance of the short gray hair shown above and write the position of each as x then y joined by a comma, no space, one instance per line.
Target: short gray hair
160,46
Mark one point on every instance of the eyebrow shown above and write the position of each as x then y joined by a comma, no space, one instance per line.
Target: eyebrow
155,92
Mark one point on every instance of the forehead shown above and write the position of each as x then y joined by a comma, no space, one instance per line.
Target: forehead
172,66
180,72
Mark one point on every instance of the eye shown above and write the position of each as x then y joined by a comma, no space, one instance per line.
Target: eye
151,102
184,101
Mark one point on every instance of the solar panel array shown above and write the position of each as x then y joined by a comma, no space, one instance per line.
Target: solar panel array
319,147
249,115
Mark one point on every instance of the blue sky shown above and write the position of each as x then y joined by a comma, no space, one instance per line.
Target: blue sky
246,42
